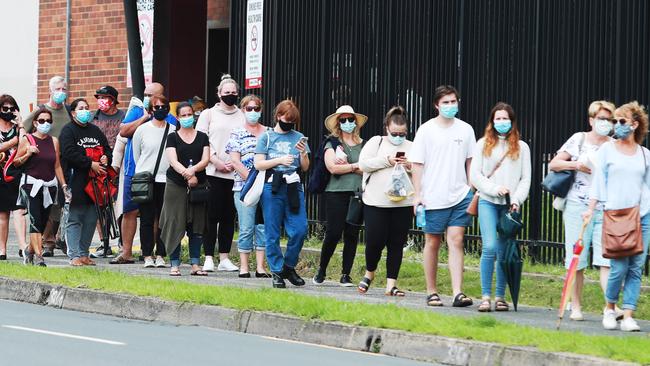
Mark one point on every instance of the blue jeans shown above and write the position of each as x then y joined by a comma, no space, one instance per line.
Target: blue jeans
628,270
82,221
276,213
492,247
196,241
247,227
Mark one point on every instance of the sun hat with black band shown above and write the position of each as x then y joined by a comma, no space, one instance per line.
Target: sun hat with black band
107,90
333,119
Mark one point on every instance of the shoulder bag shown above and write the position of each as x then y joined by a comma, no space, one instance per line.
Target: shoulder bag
142,183
472,209
559,183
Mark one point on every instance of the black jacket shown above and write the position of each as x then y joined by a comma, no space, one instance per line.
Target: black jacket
74,139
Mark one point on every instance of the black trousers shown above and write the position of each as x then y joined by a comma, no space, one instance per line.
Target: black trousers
37,213
386,227
336,209
150,213
221,216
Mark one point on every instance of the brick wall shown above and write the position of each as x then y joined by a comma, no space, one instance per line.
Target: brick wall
98,48
219,13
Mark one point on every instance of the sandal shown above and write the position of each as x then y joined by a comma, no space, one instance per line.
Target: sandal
175,272
364,285
501,305
121,260
199,272
434,300
485,306
461,301
395,292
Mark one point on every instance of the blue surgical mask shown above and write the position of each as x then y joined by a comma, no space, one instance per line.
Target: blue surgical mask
83,116
503,126
449,110
622,131
186,122
145,102
396,140
252,117
348,126
44,128
59,97
602,127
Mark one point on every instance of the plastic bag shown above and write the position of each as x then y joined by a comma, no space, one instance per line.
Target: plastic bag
400,186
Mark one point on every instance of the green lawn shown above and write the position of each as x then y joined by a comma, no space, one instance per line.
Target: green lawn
483,328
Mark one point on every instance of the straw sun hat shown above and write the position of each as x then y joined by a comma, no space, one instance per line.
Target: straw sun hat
333,119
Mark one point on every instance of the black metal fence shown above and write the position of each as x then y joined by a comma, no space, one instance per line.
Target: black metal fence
547,58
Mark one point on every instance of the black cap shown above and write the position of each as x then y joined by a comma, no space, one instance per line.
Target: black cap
107,90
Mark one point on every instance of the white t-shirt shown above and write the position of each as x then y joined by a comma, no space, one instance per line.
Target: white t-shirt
443,151
146,145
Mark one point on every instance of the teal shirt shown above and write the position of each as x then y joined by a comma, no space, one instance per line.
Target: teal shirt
349,182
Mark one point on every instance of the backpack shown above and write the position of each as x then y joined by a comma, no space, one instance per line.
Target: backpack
320,176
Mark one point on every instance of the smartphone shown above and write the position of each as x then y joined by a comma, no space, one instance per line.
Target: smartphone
400,154
304,140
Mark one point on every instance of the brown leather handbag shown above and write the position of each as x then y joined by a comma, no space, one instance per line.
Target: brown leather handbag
622,235
472,209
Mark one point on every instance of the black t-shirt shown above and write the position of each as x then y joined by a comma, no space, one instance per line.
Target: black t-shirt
185,153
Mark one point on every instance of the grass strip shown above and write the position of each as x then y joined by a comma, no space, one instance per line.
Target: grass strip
388,316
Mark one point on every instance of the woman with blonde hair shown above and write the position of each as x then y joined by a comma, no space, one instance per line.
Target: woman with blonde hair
500,168
342,152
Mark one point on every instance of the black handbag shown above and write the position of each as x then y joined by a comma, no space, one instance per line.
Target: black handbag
559,183
355,210
199,194
142,183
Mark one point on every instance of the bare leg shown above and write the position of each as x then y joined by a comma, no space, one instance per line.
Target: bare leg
370,275
431,249
390,283
260,255
604,275
4,231
243,262
456,257
129,226
577,290
36,243
20,226
223,256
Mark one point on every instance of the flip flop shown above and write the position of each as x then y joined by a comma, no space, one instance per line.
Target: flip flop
175,272
121,260
199,272
395,292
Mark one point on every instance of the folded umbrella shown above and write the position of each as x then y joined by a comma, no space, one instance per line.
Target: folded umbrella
569,279
508,227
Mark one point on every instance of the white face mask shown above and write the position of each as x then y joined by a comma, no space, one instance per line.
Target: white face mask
602,127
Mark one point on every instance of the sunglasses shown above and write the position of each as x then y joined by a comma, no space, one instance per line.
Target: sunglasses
348,119
619,120
159,107
41,121
9,109
256,109
398,134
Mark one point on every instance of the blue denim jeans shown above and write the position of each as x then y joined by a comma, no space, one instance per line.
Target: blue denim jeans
276,213
628,270
492,247
250,235
82,221
196,241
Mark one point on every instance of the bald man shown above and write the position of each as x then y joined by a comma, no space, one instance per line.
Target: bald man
128,129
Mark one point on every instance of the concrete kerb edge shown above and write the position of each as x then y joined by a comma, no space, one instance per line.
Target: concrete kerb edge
388,342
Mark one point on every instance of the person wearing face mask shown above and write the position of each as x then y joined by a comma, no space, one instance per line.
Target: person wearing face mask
621,184
387,221
442,153
501,166
147,142
241,148
39,156
108,117
283,152
77,137
218,122
342,161
578,154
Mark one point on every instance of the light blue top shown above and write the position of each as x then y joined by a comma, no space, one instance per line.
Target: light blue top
274,145
621,181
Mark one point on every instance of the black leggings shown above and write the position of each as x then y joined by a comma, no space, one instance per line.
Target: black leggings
386,227
221,216
149,214
37,213
336,210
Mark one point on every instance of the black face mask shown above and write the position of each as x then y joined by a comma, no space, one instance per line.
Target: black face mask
285,126
161,114
229,99
7,116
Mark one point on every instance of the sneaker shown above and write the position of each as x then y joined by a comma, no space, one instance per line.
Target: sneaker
609,319
208,264
48,252
38,259
225,265
160,262
149,263
319,278
28,257
346,281
619,313
629,325
99,252
576,315
291,275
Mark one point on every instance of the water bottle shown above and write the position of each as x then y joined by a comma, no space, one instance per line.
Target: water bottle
190,165
420,219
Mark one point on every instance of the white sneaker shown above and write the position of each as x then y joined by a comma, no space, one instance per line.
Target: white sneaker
149,263
225,265
576,315
160,262
208,264
609,319
619,313
629,325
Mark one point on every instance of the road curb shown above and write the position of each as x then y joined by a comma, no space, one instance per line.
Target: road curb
388,342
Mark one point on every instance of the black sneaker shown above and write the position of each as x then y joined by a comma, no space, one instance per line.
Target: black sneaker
319,278
99,252
39,261
291,275
346,281
278,282
47,252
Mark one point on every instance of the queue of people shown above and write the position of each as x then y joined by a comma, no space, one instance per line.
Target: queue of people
197,162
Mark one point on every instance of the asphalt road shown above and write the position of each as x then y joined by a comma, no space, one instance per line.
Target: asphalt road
38,335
